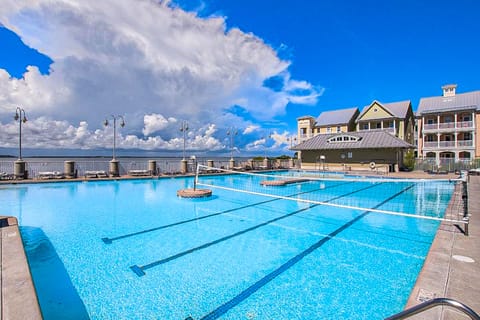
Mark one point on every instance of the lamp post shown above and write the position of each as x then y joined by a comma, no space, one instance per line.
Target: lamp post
18,116
184,129
184,162
267,137
114,168
232,132
292,140
19,165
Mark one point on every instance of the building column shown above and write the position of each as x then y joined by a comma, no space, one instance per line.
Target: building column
455,119
438,121
437,157
438,140
456,138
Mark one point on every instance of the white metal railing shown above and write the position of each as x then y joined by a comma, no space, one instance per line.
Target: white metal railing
164,166
430,126
444,144
446,125
465,124
430,144
465,143
448,144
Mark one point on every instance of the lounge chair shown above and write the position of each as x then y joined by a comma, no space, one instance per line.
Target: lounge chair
50,175
6,176
474,172
96,174
138,172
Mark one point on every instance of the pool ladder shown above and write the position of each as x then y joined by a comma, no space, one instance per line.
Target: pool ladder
434,303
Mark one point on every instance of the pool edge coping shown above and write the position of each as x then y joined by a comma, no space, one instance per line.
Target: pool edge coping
443,277
18,296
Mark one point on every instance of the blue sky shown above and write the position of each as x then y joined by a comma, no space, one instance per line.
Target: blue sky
254,65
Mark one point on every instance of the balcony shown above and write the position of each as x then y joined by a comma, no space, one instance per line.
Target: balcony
465,143
448,126
447,144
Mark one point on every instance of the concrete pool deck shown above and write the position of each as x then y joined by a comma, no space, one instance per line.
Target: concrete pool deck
452,267
447,272
18,296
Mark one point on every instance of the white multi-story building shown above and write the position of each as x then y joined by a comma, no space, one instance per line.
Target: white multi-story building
448,126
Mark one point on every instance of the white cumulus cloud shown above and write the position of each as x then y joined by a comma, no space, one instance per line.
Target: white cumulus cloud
146,61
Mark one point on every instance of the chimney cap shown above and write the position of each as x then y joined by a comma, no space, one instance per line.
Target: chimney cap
449,86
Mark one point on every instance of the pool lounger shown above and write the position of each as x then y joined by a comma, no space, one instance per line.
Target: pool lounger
96,174
50,175
139,172
6,176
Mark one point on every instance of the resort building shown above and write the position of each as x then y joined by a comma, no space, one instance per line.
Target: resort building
335,121
396,118
447,127
362,150
385,129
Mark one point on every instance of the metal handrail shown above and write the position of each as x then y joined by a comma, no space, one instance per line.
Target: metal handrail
434,303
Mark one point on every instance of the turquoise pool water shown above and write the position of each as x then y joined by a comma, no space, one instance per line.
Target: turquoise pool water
133,250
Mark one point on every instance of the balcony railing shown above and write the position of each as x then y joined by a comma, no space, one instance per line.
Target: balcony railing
444,144
447,144
430,144
448,125
465,124
465,143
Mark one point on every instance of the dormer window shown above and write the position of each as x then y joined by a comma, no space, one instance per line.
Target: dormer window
343,138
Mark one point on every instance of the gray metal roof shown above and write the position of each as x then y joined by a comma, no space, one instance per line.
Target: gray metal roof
334,117
469,100
373,139
397,109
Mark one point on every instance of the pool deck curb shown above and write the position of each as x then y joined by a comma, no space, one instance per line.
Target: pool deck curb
18,295
452,267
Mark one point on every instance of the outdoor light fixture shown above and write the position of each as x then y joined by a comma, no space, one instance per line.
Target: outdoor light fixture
18,116
267,137
232,132
122,124
184,129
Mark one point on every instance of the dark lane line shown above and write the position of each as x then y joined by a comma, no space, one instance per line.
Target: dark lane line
224,308
140,270
110,240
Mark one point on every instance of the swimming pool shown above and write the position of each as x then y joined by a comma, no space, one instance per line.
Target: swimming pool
131,249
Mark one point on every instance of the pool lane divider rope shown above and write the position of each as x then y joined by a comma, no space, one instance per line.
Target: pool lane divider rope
140,270
107,240
224,308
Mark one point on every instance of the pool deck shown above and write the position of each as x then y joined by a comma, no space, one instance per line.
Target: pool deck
447,271
452,267
18,296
